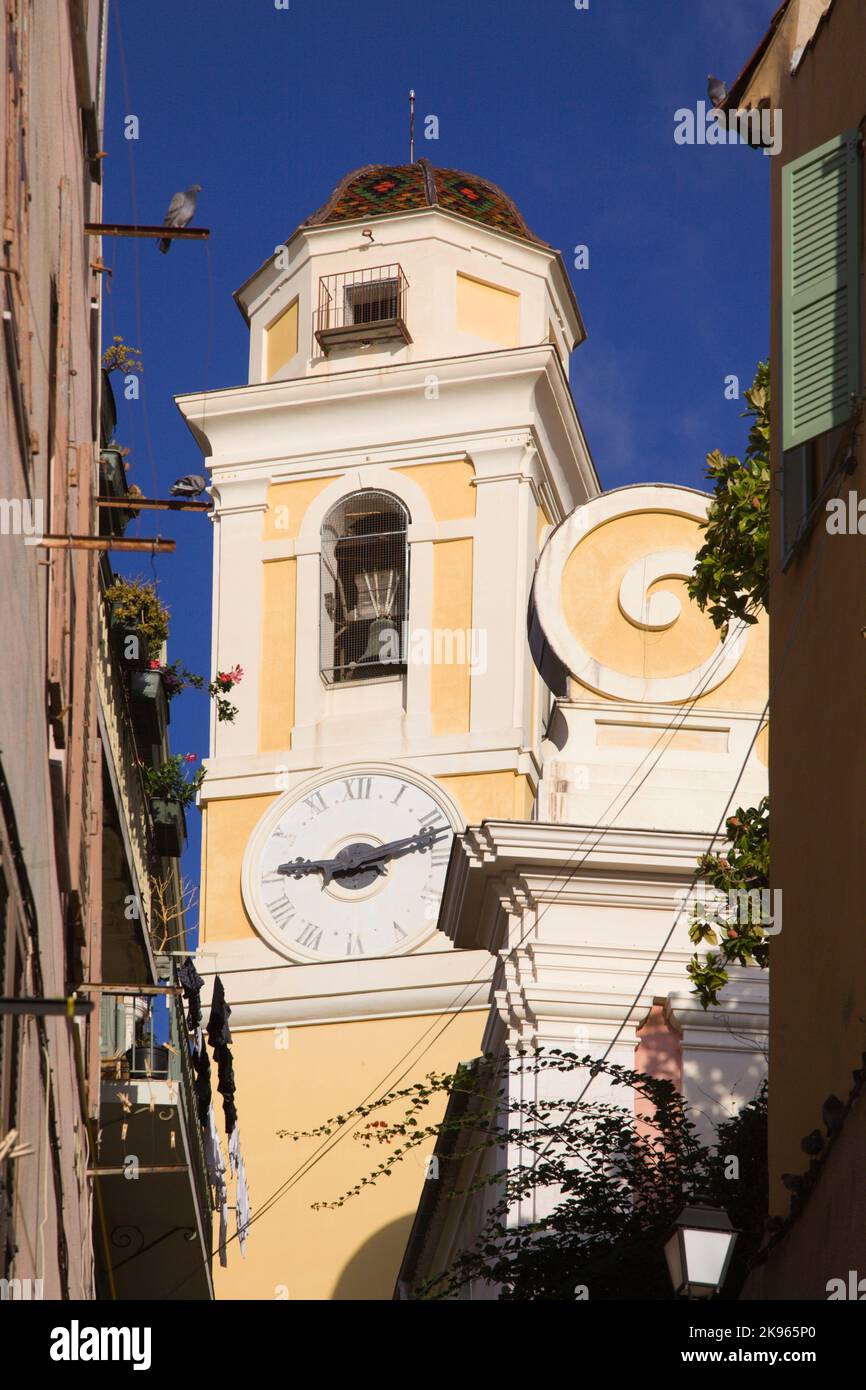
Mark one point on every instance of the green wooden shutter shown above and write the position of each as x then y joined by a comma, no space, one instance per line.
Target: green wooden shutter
821,288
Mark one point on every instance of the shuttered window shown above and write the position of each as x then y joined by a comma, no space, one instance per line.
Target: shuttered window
821,288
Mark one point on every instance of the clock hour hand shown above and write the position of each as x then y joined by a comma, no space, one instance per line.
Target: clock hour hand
296,868
374,857
346,862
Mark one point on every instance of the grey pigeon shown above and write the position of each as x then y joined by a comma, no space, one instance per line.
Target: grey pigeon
813,1143
180,212
832,1113
716,90
189,486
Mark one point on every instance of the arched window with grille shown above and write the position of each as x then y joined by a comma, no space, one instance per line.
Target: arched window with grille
365,587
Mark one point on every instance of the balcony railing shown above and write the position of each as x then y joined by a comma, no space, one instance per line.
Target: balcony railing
361,306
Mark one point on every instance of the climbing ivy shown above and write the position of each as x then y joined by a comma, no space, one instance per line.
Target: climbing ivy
611,1180
731,571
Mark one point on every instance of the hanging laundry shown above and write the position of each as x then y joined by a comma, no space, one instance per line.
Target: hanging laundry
219,1036
216,1168
192,984
242,1196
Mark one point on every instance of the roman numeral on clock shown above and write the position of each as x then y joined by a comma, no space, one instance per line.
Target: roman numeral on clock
316,803
282,911
310,937
399,934
354,947
440,852
357,788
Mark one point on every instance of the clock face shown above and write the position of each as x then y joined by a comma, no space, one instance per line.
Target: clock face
353,867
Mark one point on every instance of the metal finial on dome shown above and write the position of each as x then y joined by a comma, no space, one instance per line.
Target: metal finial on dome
411,126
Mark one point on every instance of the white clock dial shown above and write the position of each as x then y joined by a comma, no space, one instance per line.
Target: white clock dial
353,867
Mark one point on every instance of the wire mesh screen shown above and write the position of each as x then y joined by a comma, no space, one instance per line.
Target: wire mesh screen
365,587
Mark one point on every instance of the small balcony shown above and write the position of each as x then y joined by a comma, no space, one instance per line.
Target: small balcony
361,307
158,1227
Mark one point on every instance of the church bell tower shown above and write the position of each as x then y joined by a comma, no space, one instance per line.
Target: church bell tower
383,485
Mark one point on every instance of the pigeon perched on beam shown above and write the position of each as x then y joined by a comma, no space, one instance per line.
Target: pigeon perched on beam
180,213
191,485
716,90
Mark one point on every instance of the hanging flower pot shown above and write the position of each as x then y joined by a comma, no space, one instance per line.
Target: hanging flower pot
113,521
108,410
129,642
169,827
149,707
136,612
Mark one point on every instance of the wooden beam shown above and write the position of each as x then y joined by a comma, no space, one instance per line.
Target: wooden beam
43,1008
144,1169
153,504
129,229
96,988
156,547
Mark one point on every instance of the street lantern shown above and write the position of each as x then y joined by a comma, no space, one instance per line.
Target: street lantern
699,1250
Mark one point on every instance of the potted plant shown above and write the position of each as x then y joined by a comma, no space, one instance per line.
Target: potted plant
148,697
138,620
113,521
170,792
116,358
107,409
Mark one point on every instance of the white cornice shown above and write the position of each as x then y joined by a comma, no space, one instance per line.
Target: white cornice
632,867
267,992
237,427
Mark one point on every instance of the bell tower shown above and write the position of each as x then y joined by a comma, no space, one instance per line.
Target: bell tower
383,485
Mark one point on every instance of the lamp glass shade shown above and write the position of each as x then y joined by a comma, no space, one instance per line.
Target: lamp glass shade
699,1251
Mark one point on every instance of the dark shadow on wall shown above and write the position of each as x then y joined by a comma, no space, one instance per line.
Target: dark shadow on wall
372,1271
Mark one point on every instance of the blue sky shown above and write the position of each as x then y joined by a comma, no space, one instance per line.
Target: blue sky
571,111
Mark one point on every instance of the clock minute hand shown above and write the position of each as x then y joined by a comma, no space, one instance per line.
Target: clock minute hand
395,849
373,857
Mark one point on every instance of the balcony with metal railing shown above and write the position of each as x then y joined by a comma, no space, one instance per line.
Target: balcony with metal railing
360,307
158,1225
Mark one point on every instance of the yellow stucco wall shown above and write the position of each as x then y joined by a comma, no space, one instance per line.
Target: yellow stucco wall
448,487
590,588
452,609
281,339
277,682
227,826
488,311
490,795
286,506
353,1252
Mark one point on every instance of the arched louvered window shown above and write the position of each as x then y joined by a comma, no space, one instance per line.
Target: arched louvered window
365,587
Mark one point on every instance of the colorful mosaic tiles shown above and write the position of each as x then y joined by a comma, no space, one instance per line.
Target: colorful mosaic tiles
386,188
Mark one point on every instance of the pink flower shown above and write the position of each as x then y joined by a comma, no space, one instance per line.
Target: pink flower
154,666
189,757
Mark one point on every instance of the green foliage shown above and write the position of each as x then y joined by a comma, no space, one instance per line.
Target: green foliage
613,1182
741,938
121,358
176,677
731,571
169,782
139,605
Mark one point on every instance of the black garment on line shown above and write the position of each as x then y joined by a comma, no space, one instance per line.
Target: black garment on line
219,1036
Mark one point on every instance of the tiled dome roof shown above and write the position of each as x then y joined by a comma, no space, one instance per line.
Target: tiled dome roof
378,189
